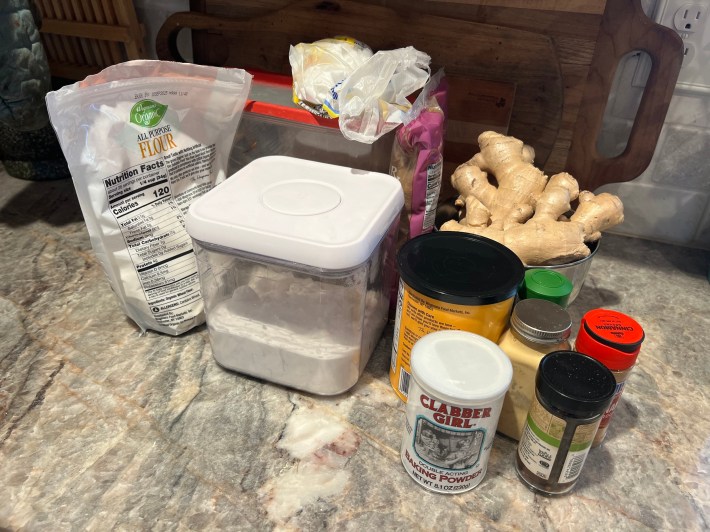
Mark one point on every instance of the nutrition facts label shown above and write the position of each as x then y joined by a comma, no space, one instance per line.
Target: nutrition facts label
433,187
149,213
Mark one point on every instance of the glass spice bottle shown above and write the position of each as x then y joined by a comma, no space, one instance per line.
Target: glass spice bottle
614,339
537,327
572,391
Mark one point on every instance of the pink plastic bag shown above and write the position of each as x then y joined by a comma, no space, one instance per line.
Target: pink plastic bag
417,158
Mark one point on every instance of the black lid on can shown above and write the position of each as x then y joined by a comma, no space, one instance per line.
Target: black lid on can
460,268
575,383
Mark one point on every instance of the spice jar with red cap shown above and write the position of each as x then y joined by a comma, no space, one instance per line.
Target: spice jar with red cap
614,339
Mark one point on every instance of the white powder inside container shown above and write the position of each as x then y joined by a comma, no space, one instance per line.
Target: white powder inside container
297,330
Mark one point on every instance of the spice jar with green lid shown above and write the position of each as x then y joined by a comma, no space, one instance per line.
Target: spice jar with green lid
537,327
546,284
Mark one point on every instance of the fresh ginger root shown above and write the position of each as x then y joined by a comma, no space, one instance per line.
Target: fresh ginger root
526,210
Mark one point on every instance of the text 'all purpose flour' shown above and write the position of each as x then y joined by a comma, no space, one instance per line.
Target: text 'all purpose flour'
143,140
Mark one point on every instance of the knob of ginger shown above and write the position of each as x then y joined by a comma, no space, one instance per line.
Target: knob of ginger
503,196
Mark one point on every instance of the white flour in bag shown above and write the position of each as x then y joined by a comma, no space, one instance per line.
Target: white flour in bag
143,139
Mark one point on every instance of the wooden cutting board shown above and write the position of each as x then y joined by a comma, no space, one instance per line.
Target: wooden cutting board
624,29
503,78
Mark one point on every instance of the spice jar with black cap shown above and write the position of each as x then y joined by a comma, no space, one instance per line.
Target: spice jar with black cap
572,391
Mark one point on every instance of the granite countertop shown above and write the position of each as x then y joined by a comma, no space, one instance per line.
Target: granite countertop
101,428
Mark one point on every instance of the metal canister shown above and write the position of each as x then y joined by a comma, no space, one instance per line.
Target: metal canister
450,280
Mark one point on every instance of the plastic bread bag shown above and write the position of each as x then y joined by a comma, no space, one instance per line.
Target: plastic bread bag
373,99
319,68
418,156
143,139
341,78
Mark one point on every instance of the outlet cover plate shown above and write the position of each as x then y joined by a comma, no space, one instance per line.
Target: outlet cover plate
692,22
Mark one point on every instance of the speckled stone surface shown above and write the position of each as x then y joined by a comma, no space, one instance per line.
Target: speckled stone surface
102,429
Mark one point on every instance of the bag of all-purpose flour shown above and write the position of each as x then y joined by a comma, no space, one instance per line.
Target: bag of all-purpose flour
143,139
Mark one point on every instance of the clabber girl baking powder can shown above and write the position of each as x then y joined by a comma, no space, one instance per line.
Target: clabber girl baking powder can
459,380
450,281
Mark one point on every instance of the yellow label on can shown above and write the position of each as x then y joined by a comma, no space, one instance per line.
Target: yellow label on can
418,315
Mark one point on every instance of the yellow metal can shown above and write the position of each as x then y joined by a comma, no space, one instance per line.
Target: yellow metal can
450,281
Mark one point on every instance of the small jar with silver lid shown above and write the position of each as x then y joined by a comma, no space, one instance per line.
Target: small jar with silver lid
537,327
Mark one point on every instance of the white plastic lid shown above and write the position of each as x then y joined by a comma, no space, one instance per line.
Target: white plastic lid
311,213
460,366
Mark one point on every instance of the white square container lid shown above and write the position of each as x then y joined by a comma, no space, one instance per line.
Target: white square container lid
312,213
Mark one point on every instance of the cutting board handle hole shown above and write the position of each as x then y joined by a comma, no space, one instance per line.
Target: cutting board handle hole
622,106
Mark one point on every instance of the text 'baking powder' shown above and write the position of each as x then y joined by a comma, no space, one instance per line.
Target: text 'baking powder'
459,380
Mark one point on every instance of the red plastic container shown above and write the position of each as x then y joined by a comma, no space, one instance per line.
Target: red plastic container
273,125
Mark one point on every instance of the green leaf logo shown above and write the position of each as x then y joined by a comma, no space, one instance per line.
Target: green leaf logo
148,113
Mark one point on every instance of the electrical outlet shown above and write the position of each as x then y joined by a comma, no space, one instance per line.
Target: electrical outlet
689,18
688,53
692,22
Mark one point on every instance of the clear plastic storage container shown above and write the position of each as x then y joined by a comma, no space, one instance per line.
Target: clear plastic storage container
273,125
296,262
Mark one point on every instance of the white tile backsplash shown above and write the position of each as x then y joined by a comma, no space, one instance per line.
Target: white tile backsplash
689,109
658,212
683,158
